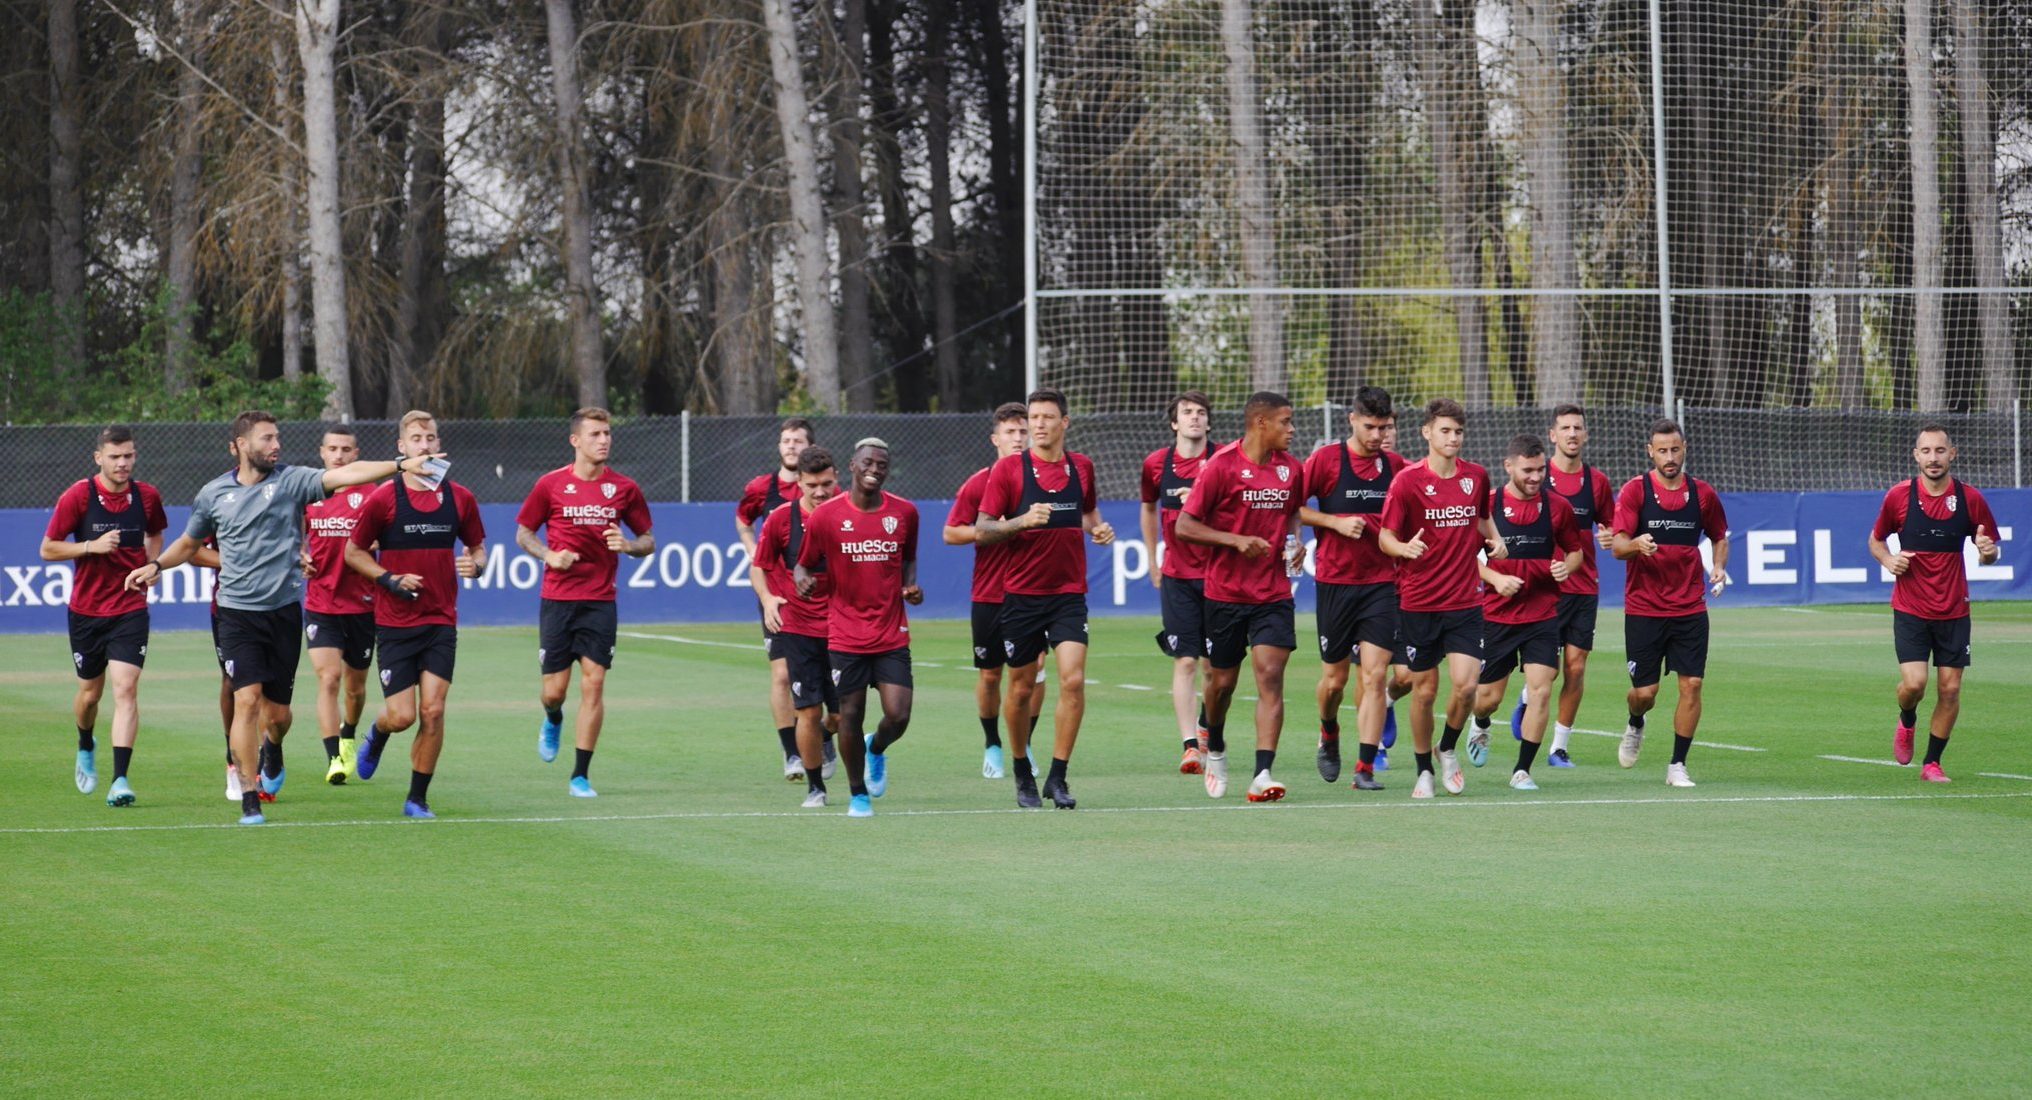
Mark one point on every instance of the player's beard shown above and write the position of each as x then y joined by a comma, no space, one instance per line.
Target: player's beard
262,463
1669,471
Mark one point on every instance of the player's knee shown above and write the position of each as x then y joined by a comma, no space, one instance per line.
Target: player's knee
433,711
779,674
593,681
1949,695
328,678
1689,685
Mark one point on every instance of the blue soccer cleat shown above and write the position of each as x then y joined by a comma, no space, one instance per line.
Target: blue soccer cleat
87,773
1390,726
371,744
878,769
1559,759
1382,760
273,787
546,740
1478,745
1517,719
582,788
860,806
121,794
991,763
255,818
413,808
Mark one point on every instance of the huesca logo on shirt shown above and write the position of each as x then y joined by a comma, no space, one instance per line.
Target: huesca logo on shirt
607,488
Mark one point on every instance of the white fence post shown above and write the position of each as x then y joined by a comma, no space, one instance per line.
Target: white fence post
684,456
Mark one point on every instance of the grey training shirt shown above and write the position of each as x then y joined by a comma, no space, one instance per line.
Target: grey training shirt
259,528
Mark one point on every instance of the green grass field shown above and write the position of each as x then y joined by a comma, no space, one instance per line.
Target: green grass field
1796,925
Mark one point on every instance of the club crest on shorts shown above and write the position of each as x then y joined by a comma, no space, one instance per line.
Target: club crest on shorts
607,489
1632,666
386,675
1009,648
78,659
310,632
1410,653
1171,640
1324,641
144,651
797,687
836,677
229,668
1467,485
888,525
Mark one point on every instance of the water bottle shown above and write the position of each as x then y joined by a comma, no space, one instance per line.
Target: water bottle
1294,571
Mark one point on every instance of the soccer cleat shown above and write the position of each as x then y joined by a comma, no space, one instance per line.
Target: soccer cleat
1478,747
349,752
1329,758
371,745
421,810
860,806
255,818
1450,775
87,773
1675,776
1026,793
1193,762
878,769
1216,774
233,790
1931,773
1521,781
1390,726
832,760
1060,795
273,787
1901,744
1633,743
546,739
1517,718
991,763
335,771
1423,788
814,800
1559,759
1365,781
264,796
121,794
581,787
1382,760
1265,789
793,769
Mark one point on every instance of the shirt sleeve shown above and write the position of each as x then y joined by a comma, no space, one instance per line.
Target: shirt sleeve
997,498
153,519
1891,517
1317,485
966,505
1206,489
1090,487
812,553
304,484
70,508
1153,475
636,514
1565,526
1605,500
769,540
374,517
202,524
1487,495
1396,516
1629,502
1979,513
910,536
1714,520
472,531
536,507
754,501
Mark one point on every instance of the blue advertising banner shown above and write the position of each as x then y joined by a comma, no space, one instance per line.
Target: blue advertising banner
1787,548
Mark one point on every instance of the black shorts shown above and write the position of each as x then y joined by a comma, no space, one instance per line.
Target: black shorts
260,647
810,668
1428,636
1233,629
1577,620
407,652
1030,623
218,650
351,635
1184,633
1508,645
1946,641
853,672
1351,614
574,629
1679,643
97,639
988,636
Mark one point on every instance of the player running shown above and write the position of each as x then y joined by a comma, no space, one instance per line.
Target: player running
338,610
1010,436
866,543
109,524
1179,567
1040,501
1543,546
416,522
1933,515
1244,506
1660,518
799,621
765,494
1356,582
581,508
1436,520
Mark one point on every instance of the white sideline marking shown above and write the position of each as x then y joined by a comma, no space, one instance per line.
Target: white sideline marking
1133,687
1863,760
2004,775
694,641
927,664
1455,805
1697,744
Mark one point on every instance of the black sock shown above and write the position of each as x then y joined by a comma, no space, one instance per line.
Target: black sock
1216,737
1057,771
348,731
380,742
1265,758
1481,722
1526,753
1934,747
581,760
1202,716
1908,718
331,748
787,735
419,787
1330,727
884,739
857,787
1368,757
1424,762
121,758
554,714
86,743
989,733
1679,747
1191,743
1637,721
250,802
1449,738
271,759
1023,772
814,780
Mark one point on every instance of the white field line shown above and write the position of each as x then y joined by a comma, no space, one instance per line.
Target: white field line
1133,687
1863,760
693,641
2004,775
1697,744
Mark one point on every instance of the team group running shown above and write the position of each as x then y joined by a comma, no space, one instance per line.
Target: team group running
1418,564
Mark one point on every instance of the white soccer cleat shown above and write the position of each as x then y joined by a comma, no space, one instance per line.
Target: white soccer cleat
1633,742
793,769
232,783
1423,788
1521,781
1264,788
1450,775
1675,776
1216,774
814,800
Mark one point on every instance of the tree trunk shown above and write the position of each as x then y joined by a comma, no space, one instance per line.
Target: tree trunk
744,376
66,188
185,217
938,145
1929,339
850,221
1979,170
1448,70
292,224
588,357
1005,168
1253,197
899,246
317,31
1839,130
807,210
1541,94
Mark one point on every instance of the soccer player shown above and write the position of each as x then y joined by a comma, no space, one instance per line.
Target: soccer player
256,514
866,542
338,610
1435,520
1933,515
581,508
1010,436
761,496
1041,501
109,524
415,525
1660,518
1179,567
1593,500
799,621
1520,601
1244,506
1357,582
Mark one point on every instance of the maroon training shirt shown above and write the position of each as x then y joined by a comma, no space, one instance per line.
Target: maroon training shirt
99,580
1242,497
575,515
864,554
1446,577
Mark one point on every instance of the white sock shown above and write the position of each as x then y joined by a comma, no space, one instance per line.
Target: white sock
1559,735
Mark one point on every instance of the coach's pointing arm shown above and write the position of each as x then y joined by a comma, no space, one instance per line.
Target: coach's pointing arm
365,473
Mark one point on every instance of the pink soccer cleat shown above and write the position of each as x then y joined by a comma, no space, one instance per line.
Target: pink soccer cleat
1932,774
1901,744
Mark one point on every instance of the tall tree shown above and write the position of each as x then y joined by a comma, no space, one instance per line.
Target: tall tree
1841,130
1541,94
1253,209
807,210
1450,83
850,220
66,186
1929,338
1979,172
290,204
185,216
938,145
317,40
588,355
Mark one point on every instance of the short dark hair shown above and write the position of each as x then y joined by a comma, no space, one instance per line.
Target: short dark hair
1189,397
1054,396
797,424
1445,408
1568,409
1929,426
1526,446
590,412
114,433
1263,403
1665,425
246,421
814,460
339,429
1010,410
1373,401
